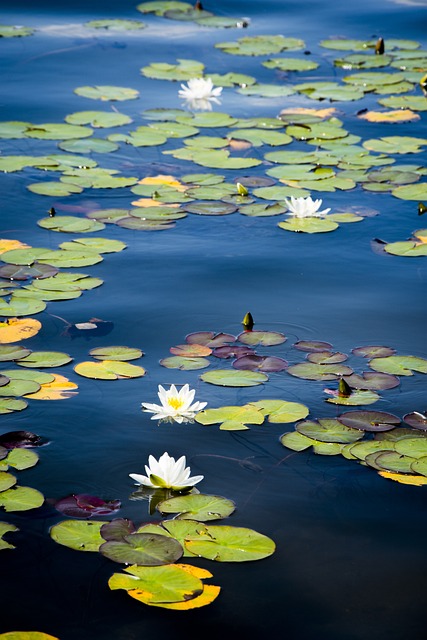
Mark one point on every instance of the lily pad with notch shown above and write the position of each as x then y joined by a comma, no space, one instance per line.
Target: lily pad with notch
260,363
231,418
228,378
370,420
109,370
262,338
329,430
210,339
185,363
313,371
116,353
200,507
147,549
399,365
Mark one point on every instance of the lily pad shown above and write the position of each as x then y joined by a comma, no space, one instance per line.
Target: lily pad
199,507
184,70
373,381
12,352
109,370
231,418
356,398
260,45
260,363
263,338
81,535
210,208
369,420
5,527
185,363
414,447
399,365
329,430
9,405
312,346
116,353
416,420
231,352
312,371
281,411
107,93
21,499
373,351
210,338
44,359
19,388
227,378
21,307
85,506
70,224
148,549
232,544
191,350
308,225
56,131
116,25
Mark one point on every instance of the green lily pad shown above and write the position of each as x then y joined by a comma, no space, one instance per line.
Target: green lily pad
88,145
81,535
296,441
159,7
184,70
221,22
140,224
415,103
184,364
19,388
108,370
413,447
361,450
232,544
12,352
259,137
105,92
56,131
312,371
73,258
411,192
70,224
262,210
308,225
290,64
24,374
99,245
199,507
231,79
399,365
357,397
54,189
260,45
347,44
20,459
396,144
142,137
281,411
263,338
116,353
266,90
12,31
21,499
116,25
210,208
329,430
5,527
21,307
235,378
420,466
98,119
9,405
393,461
363,61
147,549
7,480
44,359
232,418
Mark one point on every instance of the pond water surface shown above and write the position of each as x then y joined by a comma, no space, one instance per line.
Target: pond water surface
350,559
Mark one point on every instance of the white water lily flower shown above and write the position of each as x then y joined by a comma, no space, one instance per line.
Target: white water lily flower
305,207
166,473
176,405
199,93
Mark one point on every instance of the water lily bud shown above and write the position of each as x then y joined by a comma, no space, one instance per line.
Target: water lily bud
421,208
379,47
423,82
248,322
344,389
241,189
155,195
52,212
198,6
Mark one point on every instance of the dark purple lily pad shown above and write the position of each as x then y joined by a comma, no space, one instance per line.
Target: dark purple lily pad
312,346
20,440
326,357
3,452
372,380
263,338
117,529
210,339
373,351
232,352
84,506
369,420
4,380
260,363
416,420
147,549
23,272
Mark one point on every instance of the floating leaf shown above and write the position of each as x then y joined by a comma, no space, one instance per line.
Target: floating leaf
12,31
84,506
329,430
146,549
109,370
232,544
116,25
198,507
415,419
210,338
414,480
231,352
184,70
357,397
159,7
227,378
79,535
116,353
104,93
210,208
21,499
70,224
56,131
369,420
308,225
45,359
260,45
373,351
7,480
60,388
8,405
13,352
19,388
413,447
312,371
281,411
231,418
191,350
399,365
260,363
5,527
399,115
263,338
21,307
373,381
312,346
16,329
185,363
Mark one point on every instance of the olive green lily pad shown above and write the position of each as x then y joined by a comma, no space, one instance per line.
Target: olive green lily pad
147,549
140,224
296,441
232,418
116,353
174,130
329,430
56,131
259,137
308,225
420,466
263,338
312,371
266,90
184,364
12,31
142,137
290,64
231,544
44,359
413,447
361,450
347,44
260,45
393,461
415,103
199,507
109,370
12,352
231,79
73,258
262,210
235,378
5,527
210,208
98,119
221,22
396,144
54,189
208,119
21,499
19,388
399,365
411,191
21,307
159,7
369,420
326,357
88,145
188,15
406,248
184,70
9,405
105,92
81,535
281,411
363,61
19,459
7,480
99,245
70,224
24,374
162,584
357,397
116,25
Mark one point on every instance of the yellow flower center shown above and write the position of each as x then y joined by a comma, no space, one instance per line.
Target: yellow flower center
175,403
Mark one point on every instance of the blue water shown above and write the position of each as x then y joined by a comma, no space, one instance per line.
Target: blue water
350,562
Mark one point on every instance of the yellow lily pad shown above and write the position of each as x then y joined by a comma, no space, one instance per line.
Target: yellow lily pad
15,329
